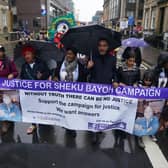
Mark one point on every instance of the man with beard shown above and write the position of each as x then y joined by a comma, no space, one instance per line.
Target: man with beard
102,70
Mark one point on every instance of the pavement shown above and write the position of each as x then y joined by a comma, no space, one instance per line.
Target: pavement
52,147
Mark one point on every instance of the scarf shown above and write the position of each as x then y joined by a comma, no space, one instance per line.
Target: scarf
70,67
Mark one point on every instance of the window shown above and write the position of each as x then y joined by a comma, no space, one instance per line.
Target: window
153,18
36,22
146,19
131,1
4,19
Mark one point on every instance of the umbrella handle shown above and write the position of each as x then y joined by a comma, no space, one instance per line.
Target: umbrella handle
91,56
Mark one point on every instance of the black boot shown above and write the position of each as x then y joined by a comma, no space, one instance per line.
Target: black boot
71,133
140,142
95,138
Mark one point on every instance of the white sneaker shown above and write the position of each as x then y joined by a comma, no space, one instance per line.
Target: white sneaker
154,139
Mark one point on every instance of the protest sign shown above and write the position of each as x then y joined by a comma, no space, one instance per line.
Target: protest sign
86,106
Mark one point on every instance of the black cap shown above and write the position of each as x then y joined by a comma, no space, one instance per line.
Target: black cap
2,49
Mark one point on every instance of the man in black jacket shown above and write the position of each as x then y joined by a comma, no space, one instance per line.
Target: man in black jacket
102,70
103,66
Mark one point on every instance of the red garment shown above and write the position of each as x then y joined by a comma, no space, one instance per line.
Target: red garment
28,49
8,67
57,39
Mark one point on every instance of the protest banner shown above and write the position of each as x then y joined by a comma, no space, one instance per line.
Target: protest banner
86,106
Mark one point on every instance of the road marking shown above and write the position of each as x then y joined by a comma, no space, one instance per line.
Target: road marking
154,153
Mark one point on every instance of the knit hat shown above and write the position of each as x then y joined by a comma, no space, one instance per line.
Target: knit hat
2,49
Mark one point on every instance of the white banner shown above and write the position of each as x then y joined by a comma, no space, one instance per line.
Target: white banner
77,111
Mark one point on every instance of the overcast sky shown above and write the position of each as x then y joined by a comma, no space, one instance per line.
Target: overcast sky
88,8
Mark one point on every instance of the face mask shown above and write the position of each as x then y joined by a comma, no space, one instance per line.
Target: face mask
6,100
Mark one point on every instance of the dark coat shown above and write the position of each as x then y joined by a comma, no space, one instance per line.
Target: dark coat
128,77
82,77
31,74
157,72
104,70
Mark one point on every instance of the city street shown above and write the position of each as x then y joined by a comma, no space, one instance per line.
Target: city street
59,150
83,84
56,149
52,147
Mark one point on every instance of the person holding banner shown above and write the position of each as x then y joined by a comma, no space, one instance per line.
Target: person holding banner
138,57
7,70
70,70
161,71
102,69
148,123
164,119
128,75
33,69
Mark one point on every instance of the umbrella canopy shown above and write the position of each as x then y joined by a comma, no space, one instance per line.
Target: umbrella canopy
134,42
85,38
46,51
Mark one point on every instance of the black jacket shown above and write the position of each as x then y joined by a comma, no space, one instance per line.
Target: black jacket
104,70
157,72
128,77
31,74
82,77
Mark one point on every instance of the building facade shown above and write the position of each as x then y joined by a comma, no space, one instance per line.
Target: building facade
33,15
68,4
98,18
163,16
54,9
106,9
119,10
151,16
132,8
114,12
4,16
155,17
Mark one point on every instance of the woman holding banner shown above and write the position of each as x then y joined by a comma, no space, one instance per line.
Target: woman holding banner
138,56
7,70
33,69
161,72
70,70
128,75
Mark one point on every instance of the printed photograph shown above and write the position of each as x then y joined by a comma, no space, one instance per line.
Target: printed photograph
10,106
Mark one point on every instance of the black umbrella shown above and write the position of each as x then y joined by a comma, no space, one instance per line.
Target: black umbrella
46,51
85,38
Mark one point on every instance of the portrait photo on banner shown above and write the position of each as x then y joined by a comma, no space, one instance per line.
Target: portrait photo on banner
148,117
10,109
